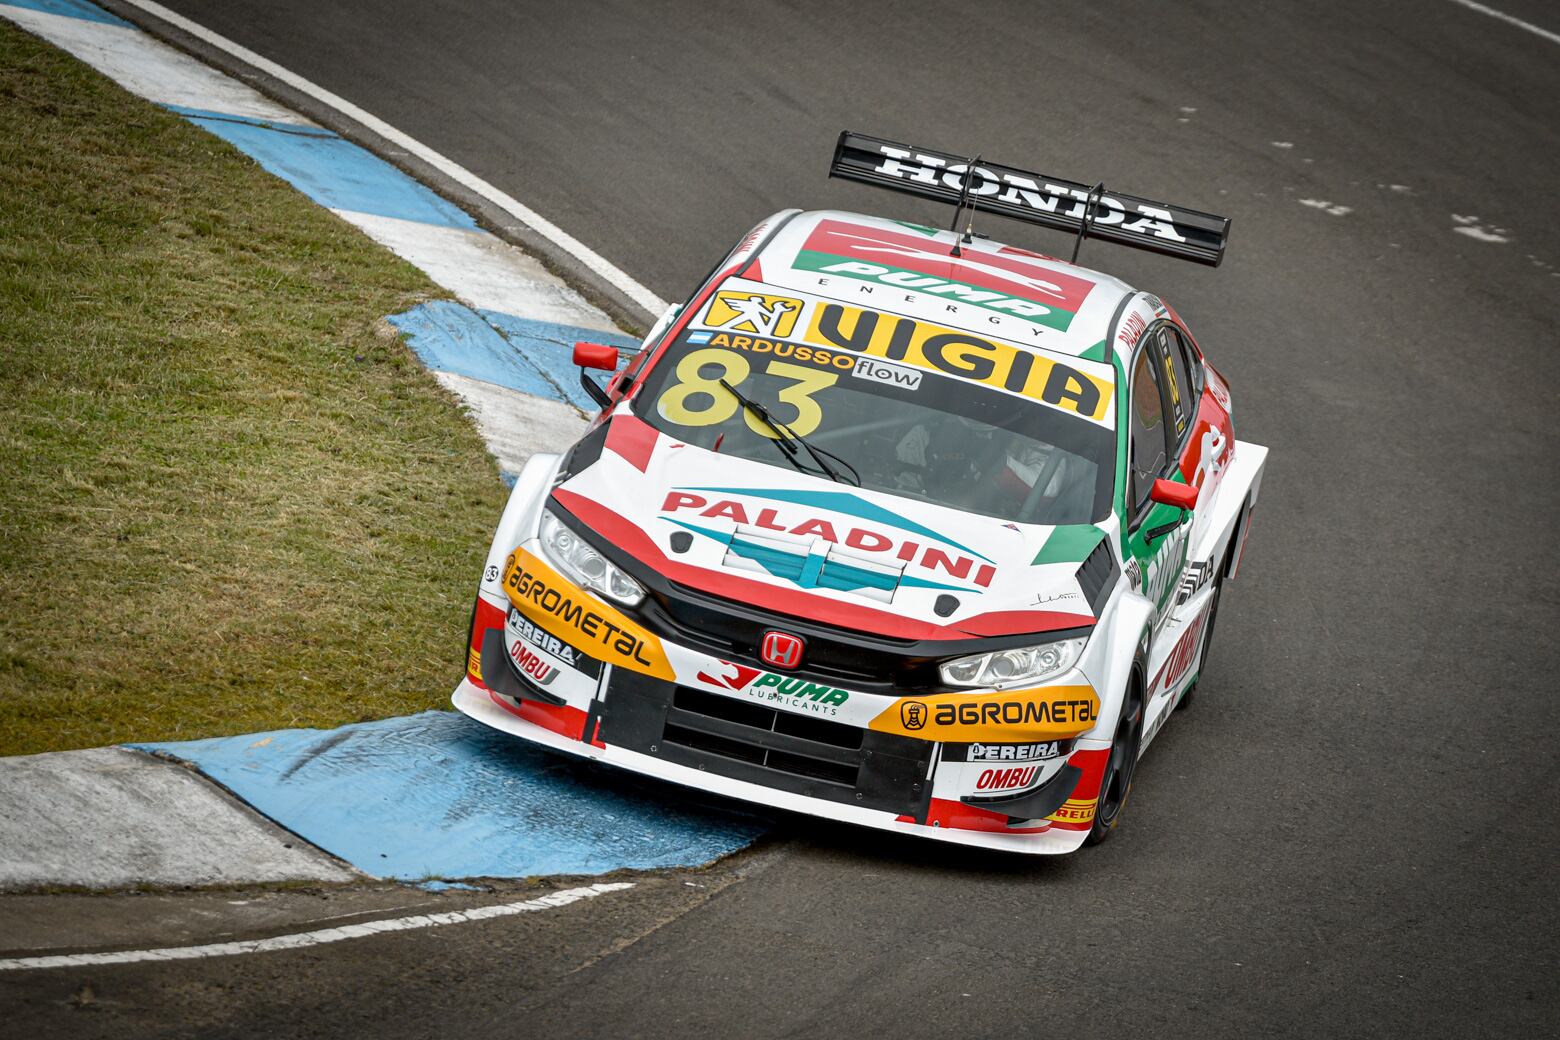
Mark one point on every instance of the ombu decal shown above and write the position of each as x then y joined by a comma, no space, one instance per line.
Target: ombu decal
1055,711
993,363
580,619
1015,778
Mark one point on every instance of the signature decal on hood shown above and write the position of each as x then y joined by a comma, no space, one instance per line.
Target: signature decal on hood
814,552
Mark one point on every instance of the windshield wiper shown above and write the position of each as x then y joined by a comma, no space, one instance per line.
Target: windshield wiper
786,440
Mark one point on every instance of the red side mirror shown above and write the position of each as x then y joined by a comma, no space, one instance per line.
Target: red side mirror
595,355
1168,492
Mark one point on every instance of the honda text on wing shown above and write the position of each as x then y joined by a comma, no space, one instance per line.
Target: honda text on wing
887,524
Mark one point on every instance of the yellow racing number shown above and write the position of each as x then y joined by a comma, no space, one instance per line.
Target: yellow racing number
673,405
798,395
691,382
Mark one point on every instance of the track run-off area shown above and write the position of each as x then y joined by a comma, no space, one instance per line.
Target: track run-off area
1351,833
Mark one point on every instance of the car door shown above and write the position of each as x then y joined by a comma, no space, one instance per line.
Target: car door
1162,406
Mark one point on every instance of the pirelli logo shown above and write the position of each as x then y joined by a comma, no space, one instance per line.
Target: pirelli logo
563,609
1075,810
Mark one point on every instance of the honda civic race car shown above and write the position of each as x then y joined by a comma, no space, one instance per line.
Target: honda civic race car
888,524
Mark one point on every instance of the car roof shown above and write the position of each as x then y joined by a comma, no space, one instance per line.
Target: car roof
990,288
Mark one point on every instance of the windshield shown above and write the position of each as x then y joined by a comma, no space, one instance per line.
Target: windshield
906,431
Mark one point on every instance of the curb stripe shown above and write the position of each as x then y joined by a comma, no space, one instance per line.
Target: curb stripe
71,9
642,296
301,940
331,170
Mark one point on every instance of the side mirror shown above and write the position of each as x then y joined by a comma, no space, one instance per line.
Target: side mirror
595,355
1169,493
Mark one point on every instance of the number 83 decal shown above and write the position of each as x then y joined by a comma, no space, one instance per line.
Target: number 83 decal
698,399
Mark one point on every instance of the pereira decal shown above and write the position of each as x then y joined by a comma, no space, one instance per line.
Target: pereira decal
567,611
1002,366
999,282
1043,714
517,626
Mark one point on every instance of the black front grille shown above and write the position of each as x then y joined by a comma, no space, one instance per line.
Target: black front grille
818,748
733,632
748,740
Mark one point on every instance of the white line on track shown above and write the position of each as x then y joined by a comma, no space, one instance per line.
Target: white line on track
300,940
546,228
1502,15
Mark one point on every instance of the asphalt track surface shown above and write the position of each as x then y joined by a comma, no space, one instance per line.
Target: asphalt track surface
1352,832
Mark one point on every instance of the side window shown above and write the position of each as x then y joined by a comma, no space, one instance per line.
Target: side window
1179,396
1149,451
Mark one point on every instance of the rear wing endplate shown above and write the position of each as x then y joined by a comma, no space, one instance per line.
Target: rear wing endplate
1089,212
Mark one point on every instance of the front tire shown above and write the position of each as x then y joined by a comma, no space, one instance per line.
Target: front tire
1116,783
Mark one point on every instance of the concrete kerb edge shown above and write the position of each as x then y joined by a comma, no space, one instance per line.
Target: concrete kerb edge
232,796
629,316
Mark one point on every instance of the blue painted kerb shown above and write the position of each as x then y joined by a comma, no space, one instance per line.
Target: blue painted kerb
438,795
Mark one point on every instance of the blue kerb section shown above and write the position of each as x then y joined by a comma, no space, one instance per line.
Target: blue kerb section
209,116
438,795
331,171
451,337
550,348
533,357
70,9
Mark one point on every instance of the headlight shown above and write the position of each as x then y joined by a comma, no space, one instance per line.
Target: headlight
584,565
1004,668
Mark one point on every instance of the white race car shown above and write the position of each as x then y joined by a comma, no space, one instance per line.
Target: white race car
887,524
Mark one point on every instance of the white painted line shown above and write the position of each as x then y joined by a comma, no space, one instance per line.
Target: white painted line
562,239
1503,16
300,940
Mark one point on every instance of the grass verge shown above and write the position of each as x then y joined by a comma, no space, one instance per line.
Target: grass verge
227,503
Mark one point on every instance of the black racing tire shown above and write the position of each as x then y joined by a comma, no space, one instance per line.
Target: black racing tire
1121,766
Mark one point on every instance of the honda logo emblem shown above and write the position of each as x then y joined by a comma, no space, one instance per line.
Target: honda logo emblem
781,650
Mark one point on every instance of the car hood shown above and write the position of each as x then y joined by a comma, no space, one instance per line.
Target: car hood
776,538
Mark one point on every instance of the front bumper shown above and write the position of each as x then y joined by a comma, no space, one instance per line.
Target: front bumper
492,710
676,713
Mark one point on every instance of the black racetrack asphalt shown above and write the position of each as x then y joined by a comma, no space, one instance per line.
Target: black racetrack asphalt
1352,832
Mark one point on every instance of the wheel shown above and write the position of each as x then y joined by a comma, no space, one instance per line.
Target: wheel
1207,635
1116,784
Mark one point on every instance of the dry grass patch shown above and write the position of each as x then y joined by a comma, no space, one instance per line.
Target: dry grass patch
226,503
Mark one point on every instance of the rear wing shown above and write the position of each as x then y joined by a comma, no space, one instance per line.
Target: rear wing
1088,212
